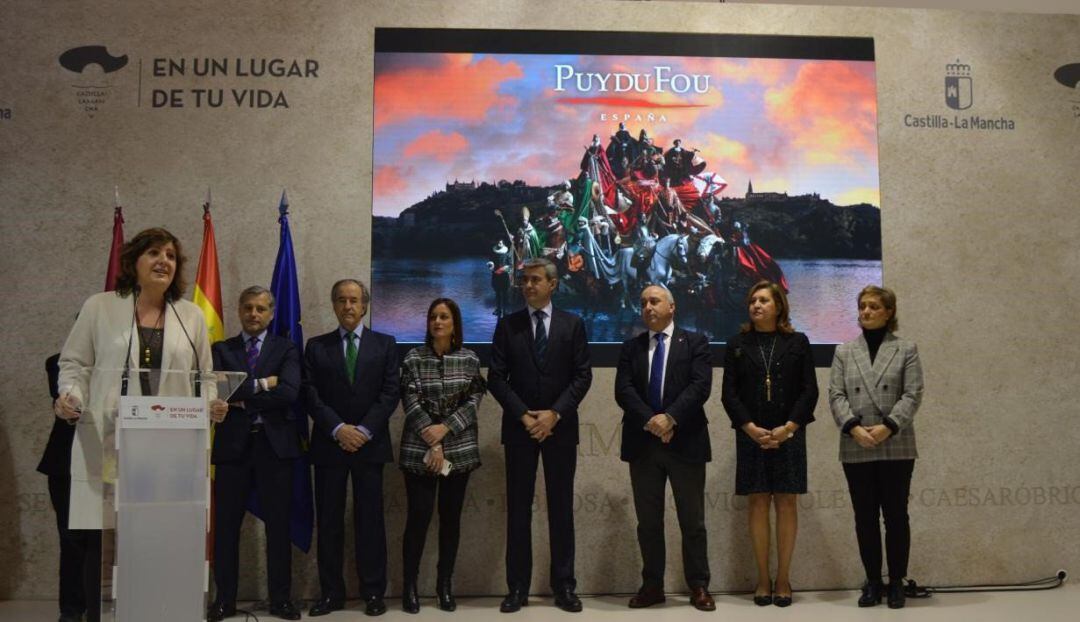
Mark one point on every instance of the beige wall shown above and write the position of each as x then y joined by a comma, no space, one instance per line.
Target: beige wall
980,231
1012,6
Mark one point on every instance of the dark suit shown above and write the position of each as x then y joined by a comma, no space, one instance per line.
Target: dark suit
256,455
366,400
520,382
56,464
687,384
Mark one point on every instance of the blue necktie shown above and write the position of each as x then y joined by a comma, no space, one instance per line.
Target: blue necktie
252,355
540,339
656,376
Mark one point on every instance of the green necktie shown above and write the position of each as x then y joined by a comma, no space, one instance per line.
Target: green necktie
350,356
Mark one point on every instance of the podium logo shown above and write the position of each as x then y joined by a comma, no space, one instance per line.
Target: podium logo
958,89
157,408
94,66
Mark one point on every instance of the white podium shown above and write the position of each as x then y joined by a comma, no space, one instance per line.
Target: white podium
156,484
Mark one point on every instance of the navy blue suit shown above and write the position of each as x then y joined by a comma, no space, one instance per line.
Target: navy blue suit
277,357
520,382
687,384
258,456
367,400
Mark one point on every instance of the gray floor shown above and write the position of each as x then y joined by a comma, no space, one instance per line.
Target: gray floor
1048,606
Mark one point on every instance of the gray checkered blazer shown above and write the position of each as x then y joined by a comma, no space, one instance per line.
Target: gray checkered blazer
892,387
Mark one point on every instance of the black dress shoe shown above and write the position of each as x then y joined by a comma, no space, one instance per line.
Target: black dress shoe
871,594
70,617
647,597
285,610
445,594
897,598
568,601
374,606
324,606
219,611
514,601
410,599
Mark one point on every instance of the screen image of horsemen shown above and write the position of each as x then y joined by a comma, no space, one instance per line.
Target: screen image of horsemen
702,174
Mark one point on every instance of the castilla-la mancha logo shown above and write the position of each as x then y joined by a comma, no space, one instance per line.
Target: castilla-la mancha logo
93,64
958,90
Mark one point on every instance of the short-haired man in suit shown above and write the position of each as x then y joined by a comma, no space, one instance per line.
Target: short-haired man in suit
662,382
351,389
539,373
255,447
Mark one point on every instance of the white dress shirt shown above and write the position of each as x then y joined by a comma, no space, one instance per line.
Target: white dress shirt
547,318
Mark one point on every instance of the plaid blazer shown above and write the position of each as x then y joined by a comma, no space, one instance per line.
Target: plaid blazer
443,390
892,387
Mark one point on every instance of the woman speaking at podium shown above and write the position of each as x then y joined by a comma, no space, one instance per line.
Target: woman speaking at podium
143,325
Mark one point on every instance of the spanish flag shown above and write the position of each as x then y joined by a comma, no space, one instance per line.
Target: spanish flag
208,280
208,298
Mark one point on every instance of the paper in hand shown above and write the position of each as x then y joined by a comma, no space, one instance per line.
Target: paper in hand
446,464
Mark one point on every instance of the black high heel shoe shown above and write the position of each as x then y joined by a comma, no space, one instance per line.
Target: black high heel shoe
410,599
781,601
445,595
764,600
897,598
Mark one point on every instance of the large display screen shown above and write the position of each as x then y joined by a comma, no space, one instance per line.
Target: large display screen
704,163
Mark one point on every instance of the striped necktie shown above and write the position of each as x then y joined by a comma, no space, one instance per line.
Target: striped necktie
540,338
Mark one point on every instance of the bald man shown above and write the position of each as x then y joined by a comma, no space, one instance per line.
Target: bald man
663,380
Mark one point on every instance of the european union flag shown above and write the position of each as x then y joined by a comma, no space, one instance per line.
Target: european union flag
286,323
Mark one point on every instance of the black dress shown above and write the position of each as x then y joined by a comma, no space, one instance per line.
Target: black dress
794,393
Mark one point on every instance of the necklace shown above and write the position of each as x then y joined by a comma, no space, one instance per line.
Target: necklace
150,338
768,367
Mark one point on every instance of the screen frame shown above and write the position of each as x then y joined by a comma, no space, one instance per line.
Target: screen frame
606,43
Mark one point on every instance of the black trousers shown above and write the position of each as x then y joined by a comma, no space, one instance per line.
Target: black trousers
271,478
72,550
91,571
881,488
369,527
421,492
560,464
649,475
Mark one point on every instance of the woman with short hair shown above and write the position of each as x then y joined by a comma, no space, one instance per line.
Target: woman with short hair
875,388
